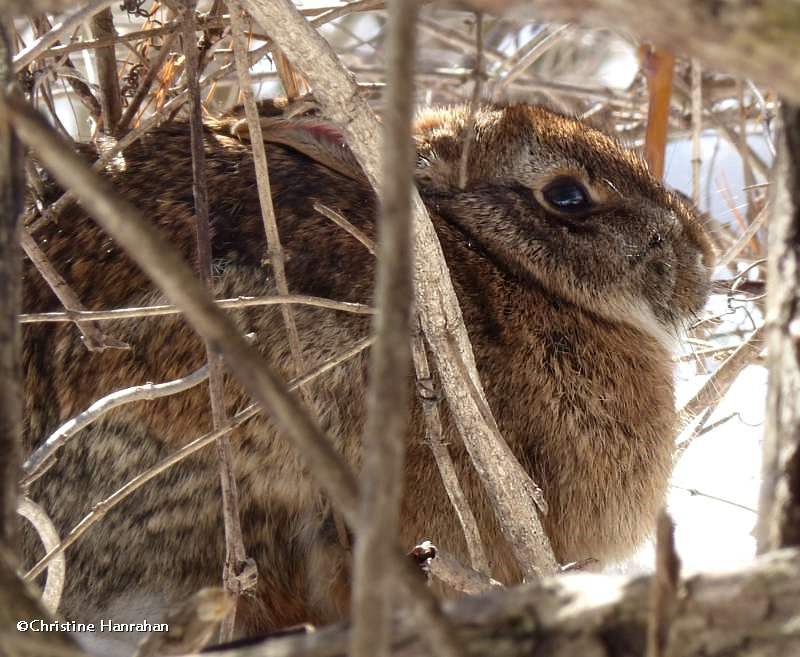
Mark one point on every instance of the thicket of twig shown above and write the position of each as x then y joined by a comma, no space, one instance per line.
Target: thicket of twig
115,73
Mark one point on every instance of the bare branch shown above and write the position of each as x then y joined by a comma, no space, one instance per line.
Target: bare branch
59,31
54,586
106,59
237,567
157,311
459,577
779,502
750,612
714,389
388,398
44,456
664,587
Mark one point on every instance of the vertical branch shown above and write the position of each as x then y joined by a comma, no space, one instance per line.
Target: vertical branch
697,128
106,58
388,398
274,248
658,66
664,588
433,435
779,508
12,178
235,558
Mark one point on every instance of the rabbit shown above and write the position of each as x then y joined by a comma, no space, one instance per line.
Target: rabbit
576,272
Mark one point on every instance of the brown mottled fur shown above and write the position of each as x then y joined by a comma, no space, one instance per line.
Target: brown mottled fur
567,316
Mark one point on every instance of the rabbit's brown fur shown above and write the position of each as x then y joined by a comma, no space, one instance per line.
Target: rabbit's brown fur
569,316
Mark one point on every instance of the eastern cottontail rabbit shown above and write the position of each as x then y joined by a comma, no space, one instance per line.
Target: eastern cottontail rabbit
574,269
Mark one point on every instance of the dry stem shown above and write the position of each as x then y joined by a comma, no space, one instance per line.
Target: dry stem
166,309
236,560
274,248
388,398
44,456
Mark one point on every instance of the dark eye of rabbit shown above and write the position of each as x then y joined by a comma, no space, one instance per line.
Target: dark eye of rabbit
567,195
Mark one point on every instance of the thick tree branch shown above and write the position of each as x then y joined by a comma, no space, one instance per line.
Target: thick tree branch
751,612
388,398
779,514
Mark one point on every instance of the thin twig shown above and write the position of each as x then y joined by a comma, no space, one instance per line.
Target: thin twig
102,508
433,435
274,248
468,135
59,30
236,560
340,220
714,389
48,535
528,54
664,588
44,456
697,128
696,493
144,86
734,250
93,338
158,311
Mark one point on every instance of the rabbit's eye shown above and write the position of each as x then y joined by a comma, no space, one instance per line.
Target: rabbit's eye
567,195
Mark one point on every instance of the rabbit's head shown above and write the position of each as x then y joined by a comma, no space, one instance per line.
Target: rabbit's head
568,208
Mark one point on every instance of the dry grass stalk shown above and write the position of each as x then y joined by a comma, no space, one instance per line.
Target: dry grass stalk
275,251
166,309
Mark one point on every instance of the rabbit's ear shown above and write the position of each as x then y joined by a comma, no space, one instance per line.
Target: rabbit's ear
315,138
